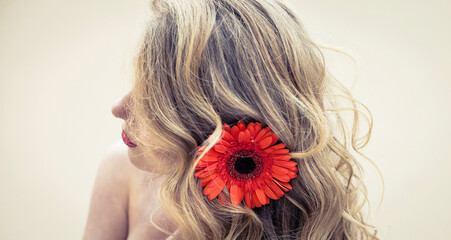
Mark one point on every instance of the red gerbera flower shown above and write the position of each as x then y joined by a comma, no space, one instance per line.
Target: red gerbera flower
249,163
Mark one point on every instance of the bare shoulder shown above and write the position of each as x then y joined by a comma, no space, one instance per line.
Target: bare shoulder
144,209
108,214
123,200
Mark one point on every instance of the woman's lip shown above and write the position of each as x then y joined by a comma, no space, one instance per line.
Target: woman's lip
126,140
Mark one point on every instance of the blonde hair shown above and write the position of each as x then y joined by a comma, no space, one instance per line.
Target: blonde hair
203,63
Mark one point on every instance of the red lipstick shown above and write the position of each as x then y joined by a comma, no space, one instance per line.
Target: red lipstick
126,140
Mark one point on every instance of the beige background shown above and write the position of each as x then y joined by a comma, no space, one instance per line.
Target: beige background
63,63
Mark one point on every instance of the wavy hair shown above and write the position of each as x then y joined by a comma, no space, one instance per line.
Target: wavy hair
203,63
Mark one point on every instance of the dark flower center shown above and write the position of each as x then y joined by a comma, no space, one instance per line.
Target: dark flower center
244,165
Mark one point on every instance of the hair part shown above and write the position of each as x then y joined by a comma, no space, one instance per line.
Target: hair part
207,62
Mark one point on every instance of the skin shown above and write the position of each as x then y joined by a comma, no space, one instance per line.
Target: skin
124,194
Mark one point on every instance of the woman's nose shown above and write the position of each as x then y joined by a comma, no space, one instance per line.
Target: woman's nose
121,107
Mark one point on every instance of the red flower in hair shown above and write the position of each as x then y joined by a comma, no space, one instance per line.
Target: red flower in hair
249,163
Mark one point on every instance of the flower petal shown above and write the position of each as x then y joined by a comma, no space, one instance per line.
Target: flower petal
255,200
206,171
251,130
270,193
282,186
275,148
206,180
235,131
201,150
268,150
247,199
267,199
275,189
236,194
274,139
243,137
216,186
281,157
208,189
226,127
241,125
278,146
222,198
220,148
248,134
279,170
211,156
292,174
224,143
260,195
262,133
257,127
285,164
281,177
201,164
265,142
287,185
280,151
227,136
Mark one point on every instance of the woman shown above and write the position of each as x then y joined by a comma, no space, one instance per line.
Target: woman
237,126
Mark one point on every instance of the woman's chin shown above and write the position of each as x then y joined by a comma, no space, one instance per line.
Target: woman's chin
157,163
138,160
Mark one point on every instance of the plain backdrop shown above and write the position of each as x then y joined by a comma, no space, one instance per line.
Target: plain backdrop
63,64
